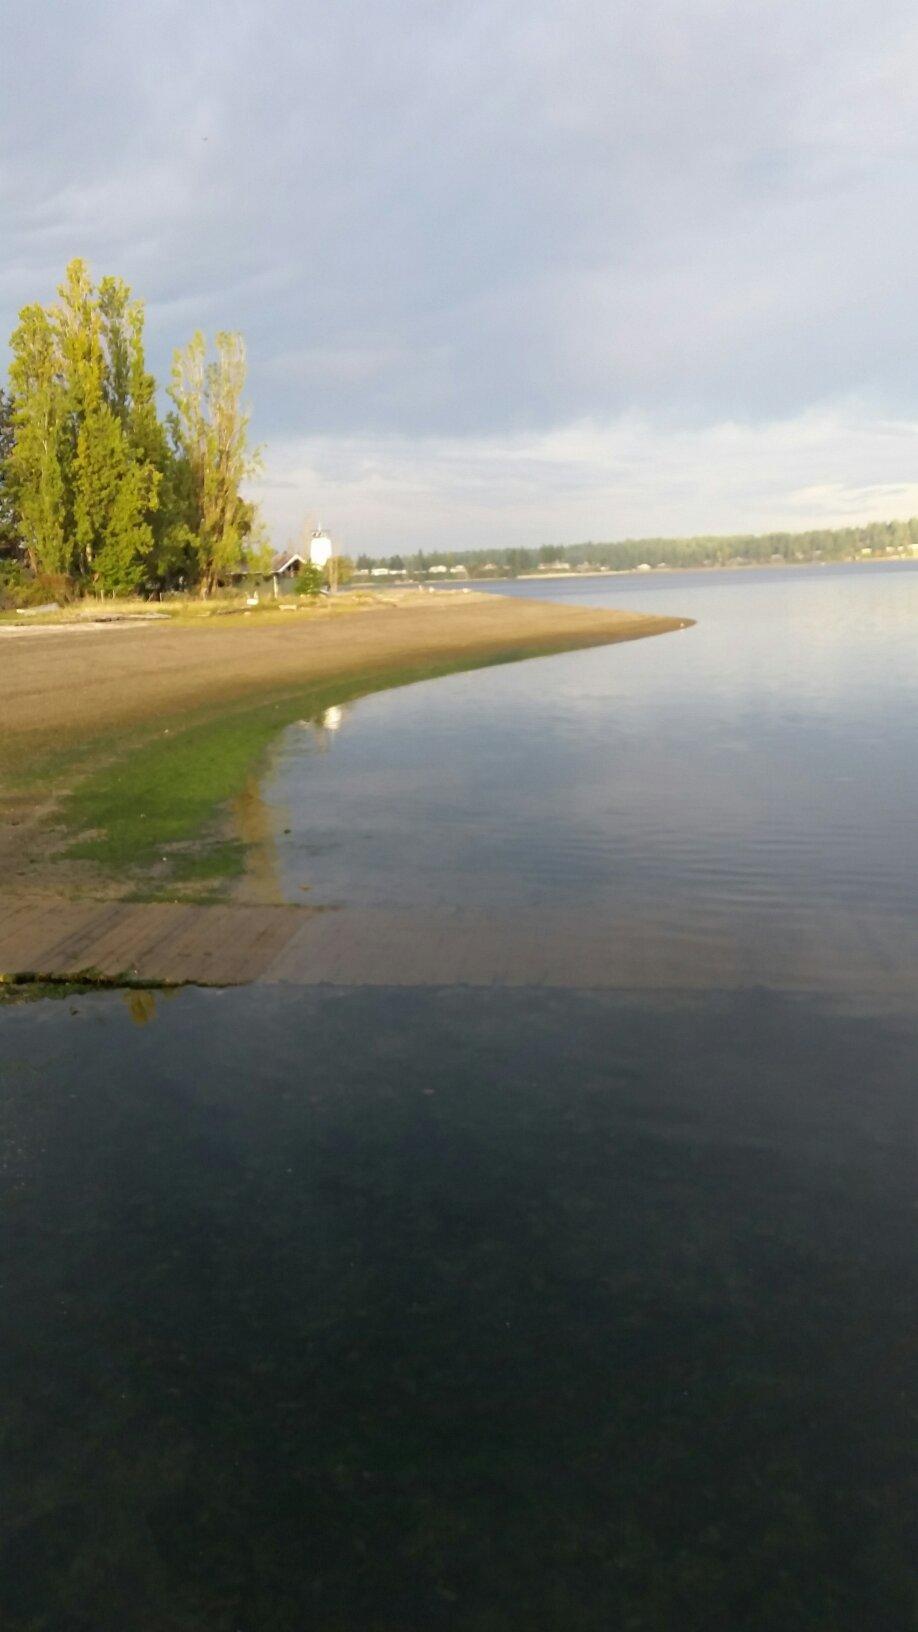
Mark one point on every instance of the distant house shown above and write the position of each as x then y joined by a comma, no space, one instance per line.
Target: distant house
438,570
287,563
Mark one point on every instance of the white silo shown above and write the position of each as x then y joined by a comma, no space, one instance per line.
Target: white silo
320,549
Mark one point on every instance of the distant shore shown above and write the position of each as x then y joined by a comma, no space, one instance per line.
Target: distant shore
123,748
581,574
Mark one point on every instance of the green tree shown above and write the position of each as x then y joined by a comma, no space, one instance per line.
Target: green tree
9,519
85,466
35,466
100,488
114,481
210,432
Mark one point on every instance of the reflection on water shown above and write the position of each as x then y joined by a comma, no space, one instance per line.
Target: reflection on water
320,729
332,718
255,822
141,1006
754,775
480,1310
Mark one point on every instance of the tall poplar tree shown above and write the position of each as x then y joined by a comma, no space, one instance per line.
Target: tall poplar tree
210,428
35,466
9,519
85,467
115,484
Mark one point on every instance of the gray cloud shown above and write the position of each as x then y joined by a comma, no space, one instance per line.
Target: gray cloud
442,224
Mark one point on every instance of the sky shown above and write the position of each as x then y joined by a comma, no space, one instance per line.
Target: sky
509,272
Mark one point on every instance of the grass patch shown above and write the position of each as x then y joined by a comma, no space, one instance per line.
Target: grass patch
35,988
29,989
167,790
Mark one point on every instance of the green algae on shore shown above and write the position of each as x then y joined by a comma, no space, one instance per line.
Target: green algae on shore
155,805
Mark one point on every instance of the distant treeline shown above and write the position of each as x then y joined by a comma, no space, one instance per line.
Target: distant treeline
97,492
820,544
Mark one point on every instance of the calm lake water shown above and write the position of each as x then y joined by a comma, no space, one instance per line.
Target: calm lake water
764,758
459,1308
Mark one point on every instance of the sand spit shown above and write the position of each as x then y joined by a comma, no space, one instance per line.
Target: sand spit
89,684
156,732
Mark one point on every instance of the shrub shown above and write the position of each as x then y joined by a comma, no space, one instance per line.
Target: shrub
18,587
13,580
309,580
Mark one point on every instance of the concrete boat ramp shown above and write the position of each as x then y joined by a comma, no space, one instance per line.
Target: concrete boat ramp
174,943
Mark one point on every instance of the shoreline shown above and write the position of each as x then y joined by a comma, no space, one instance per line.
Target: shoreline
124,751
576,575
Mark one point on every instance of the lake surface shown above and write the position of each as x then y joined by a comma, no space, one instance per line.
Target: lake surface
474,1309
748,784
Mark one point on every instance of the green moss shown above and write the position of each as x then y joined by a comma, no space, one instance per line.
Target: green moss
25,990
34,988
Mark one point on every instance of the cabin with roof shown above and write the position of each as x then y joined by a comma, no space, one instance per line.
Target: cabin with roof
287,564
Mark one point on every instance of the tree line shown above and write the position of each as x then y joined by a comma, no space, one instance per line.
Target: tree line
715,550
97,490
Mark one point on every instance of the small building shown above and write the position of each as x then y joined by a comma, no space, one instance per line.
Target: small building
287,564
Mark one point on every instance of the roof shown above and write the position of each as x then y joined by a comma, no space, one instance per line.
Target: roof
286,558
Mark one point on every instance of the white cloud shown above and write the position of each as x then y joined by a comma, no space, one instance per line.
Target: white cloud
634,476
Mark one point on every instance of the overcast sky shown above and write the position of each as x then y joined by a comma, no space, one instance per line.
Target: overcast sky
509,272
